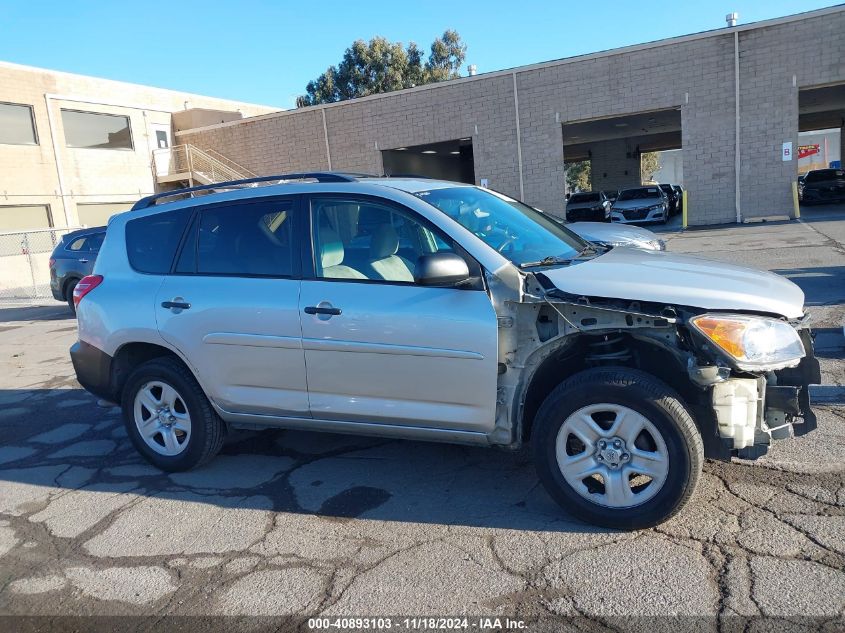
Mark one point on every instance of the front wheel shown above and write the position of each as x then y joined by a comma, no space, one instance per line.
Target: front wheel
617,448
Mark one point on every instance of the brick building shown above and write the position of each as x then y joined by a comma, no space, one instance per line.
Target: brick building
729,98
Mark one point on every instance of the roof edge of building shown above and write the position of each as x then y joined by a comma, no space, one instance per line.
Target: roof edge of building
181,93
536,66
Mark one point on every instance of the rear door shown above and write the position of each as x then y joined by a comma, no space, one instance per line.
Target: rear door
231,306
378,346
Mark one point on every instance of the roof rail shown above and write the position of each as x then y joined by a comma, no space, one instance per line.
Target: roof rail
319,176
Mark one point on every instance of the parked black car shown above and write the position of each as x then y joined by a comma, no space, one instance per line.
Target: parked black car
72,259
672,196
588,206
823,185
679,192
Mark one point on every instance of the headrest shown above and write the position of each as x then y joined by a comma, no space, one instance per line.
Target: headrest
385,242
331,248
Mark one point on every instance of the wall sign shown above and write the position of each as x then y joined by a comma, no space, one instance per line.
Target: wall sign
787,152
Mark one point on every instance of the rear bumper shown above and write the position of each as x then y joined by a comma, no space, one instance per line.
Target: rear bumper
93,369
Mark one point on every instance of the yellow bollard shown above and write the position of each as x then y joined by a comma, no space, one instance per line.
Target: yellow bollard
685,210
795,204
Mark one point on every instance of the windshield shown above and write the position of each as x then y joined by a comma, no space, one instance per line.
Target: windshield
641,193
584,197
517,231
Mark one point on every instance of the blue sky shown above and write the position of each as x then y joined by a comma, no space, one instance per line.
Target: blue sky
265,52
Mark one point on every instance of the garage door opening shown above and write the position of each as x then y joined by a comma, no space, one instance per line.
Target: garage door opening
821,128
447,160
624,151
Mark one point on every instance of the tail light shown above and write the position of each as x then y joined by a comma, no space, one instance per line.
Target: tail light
84,286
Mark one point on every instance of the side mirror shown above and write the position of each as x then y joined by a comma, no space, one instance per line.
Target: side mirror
567,196
441,269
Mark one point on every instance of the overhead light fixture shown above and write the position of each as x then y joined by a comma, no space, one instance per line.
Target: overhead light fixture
455,152
401,149
429,151
620,125
466,139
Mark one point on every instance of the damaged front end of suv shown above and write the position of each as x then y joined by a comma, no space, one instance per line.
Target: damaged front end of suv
744,375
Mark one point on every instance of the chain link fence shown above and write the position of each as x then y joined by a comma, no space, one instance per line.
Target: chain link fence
25,263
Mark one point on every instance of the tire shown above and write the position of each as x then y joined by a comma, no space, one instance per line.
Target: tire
192,433
677,454
69,288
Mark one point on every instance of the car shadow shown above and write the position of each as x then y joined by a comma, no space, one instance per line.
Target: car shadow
59,312
822,285
60,439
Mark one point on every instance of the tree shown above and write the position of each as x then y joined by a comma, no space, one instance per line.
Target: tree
649,165
382,66
578,176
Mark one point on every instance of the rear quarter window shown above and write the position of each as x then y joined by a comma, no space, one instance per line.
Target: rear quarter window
151,241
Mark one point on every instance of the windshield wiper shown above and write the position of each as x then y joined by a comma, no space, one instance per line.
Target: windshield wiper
547,261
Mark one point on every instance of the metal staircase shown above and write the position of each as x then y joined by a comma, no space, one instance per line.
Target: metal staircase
190,164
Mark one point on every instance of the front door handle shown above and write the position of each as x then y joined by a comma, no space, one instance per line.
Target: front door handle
175,305
322,310
83,261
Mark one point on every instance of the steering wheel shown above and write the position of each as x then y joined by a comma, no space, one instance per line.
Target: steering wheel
510,239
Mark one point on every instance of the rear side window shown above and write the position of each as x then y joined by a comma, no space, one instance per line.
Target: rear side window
151,242
251,239
87,243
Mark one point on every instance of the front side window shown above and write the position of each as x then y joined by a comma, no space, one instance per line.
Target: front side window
356,239
95,130
517,231
17,125
253,239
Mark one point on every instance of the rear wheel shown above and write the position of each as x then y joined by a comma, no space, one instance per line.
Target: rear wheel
168,417
69,288
617,448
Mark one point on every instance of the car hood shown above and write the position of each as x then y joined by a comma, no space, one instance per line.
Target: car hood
608,233
582,205
639,203
659,277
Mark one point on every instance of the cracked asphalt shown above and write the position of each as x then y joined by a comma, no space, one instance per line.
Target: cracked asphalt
300,523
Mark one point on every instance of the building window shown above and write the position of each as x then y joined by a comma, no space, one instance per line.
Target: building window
98,213
17,125
95,130
24,217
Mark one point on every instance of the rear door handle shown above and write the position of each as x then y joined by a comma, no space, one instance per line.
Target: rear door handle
322,310
83,261
175,305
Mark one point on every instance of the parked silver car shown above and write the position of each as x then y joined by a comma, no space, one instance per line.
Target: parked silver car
414,308
605,234
641,204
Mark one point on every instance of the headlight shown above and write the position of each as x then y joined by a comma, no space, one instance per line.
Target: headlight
657,207
754,343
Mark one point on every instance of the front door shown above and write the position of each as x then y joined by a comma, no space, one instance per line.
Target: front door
379,347
232,307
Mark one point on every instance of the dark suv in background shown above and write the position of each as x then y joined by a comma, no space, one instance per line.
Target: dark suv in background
72,259
823,185
588,206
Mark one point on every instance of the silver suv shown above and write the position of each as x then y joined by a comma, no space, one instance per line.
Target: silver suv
414,308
